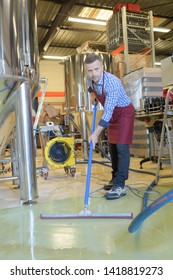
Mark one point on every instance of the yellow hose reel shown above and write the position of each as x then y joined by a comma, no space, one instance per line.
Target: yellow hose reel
59,153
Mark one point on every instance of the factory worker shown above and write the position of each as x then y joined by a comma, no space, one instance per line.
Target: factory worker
117,118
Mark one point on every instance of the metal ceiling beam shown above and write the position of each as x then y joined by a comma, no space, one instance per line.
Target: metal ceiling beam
66,45
43,26
63,46
80,4
100,6
54,1
73,29
58,21
158,5
83,30
74,46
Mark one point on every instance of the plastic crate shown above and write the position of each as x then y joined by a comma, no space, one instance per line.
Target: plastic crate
118,7
133,8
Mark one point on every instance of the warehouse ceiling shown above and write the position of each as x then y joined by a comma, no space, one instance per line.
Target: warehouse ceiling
59,37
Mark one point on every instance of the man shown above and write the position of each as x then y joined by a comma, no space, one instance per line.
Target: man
117,118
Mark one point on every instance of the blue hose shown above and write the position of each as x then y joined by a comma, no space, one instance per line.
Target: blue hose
149,210
87,189
7,87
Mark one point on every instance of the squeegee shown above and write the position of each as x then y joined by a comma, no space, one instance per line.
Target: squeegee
86,214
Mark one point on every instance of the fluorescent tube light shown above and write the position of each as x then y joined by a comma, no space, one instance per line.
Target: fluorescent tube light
87,20
160,29
157,63
54,57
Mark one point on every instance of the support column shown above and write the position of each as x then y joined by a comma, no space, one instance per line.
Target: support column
125,39
152,39
25,144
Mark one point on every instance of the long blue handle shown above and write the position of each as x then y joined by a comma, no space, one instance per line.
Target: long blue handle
87,189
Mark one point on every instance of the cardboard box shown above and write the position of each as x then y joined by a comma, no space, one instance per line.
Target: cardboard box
136,61
51,111
51,114
141,83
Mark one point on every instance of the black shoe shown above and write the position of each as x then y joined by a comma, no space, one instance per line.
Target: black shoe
115,192
109,186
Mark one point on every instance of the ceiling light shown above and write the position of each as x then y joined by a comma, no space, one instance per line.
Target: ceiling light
87,20
160,29
157,63
54,57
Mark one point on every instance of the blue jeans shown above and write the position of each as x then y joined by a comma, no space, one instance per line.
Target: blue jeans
120,157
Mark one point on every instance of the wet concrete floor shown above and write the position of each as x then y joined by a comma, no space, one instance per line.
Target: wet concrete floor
25,236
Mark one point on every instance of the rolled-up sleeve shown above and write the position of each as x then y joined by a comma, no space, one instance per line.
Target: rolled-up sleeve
103,123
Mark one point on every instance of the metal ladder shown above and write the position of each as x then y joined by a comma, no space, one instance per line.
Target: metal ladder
165,128
43,81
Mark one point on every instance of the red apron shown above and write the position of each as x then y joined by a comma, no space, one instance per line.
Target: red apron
121,126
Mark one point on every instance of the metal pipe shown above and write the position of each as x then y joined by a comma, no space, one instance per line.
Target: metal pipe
125,38
152,38
25,144
8,178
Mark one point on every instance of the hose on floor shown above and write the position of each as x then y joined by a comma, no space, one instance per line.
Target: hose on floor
150,209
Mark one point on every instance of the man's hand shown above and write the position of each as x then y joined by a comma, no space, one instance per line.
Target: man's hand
95,135
94,138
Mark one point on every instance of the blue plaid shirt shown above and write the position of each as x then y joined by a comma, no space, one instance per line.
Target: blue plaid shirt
115,95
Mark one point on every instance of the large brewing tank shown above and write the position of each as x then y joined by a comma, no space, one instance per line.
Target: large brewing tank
77,97
19,83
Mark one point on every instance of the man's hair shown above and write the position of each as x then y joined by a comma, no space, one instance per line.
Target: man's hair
92,57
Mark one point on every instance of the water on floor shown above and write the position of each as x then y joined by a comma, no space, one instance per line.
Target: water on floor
25,235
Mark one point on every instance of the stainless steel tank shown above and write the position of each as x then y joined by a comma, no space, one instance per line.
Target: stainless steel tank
19,83
77,97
